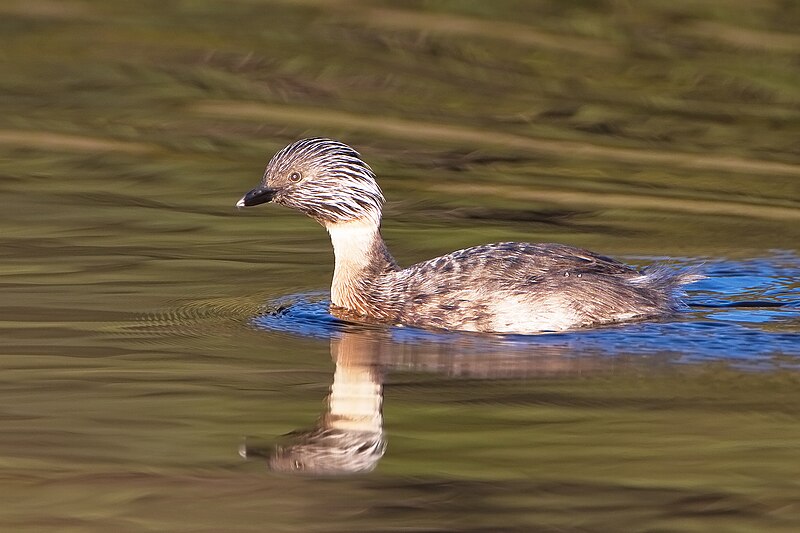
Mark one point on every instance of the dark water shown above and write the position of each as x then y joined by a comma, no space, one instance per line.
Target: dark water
156,345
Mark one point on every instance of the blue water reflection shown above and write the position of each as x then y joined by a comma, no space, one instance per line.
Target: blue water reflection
746,312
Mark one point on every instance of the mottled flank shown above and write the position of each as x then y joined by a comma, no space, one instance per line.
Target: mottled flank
505,287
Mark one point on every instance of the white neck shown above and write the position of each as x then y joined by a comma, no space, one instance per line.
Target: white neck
352,244
356,398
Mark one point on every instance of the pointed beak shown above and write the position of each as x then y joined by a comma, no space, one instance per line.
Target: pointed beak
259,195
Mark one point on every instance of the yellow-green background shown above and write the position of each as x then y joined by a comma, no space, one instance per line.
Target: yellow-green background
129,129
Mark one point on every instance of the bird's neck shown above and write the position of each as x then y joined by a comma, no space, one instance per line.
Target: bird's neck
356,398
361,259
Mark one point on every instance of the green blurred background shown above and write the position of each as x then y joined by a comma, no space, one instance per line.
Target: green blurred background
129,129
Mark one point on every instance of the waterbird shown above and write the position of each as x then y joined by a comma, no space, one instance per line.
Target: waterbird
505,287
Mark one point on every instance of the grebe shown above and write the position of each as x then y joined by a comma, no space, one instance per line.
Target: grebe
507,287
348,438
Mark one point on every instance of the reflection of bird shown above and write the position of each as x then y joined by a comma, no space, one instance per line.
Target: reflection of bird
328,451
349,437
506,287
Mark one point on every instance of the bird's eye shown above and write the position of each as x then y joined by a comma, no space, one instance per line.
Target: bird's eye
294,177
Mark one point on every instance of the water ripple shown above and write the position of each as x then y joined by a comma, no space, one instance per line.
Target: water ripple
745,312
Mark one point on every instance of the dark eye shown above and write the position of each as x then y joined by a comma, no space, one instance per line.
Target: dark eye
294,177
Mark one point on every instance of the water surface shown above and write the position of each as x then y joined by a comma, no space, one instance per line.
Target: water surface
149,332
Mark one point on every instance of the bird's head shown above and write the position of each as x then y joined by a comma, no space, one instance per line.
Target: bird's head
325,179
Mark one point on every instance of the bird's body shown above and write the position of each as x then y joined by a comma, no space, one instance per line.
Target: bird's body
508,287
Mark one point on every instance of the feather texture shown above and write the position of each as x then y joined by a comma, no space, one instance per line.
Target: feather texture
507,287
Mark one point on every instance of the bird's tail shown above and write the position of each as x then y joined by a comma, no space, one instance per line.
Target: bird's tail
669,282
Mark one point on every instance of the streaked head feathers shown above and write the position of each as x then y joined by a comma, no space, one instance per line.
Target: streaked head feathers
325,179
